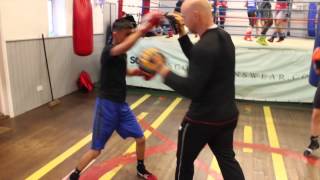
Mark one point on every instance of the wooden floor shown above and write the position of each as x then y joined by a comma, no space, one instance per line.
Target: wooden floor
47,143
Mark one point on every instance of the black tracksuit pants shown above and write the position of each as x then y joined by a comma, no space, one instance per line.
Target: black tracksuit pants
191,140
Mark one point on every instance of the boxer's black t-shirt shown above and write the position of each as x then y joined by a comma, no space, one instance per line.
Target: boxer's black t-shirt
113,76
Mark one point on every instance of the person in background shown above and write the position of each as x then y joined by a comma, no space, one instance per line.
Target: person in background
222,8
281,18
251,10
267,21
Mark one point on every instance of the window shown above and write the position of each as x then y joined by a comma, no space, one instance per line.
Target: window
57,17
50,20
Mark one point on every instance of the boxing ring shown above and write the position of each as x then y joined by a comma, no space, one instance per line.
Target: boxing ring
277,72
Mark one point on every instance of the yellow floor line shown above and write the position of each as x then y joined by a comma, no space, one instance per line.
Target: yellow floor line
247,138
215,167
109,175
277,159
139,101
76,147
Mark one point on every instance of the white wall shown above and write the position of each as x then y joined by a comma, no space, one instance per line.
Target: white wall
24,19
18,20
2,103
64,65
4,108
28,19
5,95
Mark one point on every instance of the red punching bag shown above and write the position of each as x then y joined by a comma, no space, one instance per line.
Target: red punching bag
82,27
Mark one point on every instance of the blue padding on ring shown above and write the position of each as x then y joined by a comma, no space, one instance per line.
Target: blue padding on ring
312,14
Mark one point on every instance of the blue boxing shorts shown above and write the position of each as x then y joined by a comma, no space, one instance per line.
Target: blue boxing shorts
110,116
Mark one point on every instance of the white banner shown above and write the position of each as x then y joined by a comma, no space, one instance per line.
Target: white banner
262,73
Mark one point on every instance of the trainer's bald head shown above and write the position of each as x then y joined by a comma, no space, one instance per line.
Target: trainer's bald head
201,6
197,15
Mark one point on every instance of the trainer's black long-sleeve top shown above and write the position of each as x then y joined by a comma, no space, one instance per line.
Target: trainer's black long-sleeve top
210,80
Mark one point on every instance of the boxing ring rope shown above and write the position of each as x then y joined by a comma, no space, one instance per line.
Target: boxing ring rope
166,7
292,22
243,1
236,20
238,17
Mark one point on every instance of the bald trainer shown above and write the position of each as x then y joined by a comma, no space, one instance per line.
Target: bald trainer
213,115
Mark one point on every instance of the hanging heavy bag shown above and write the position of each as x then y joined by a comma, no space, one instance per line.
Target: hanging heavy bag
82,27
